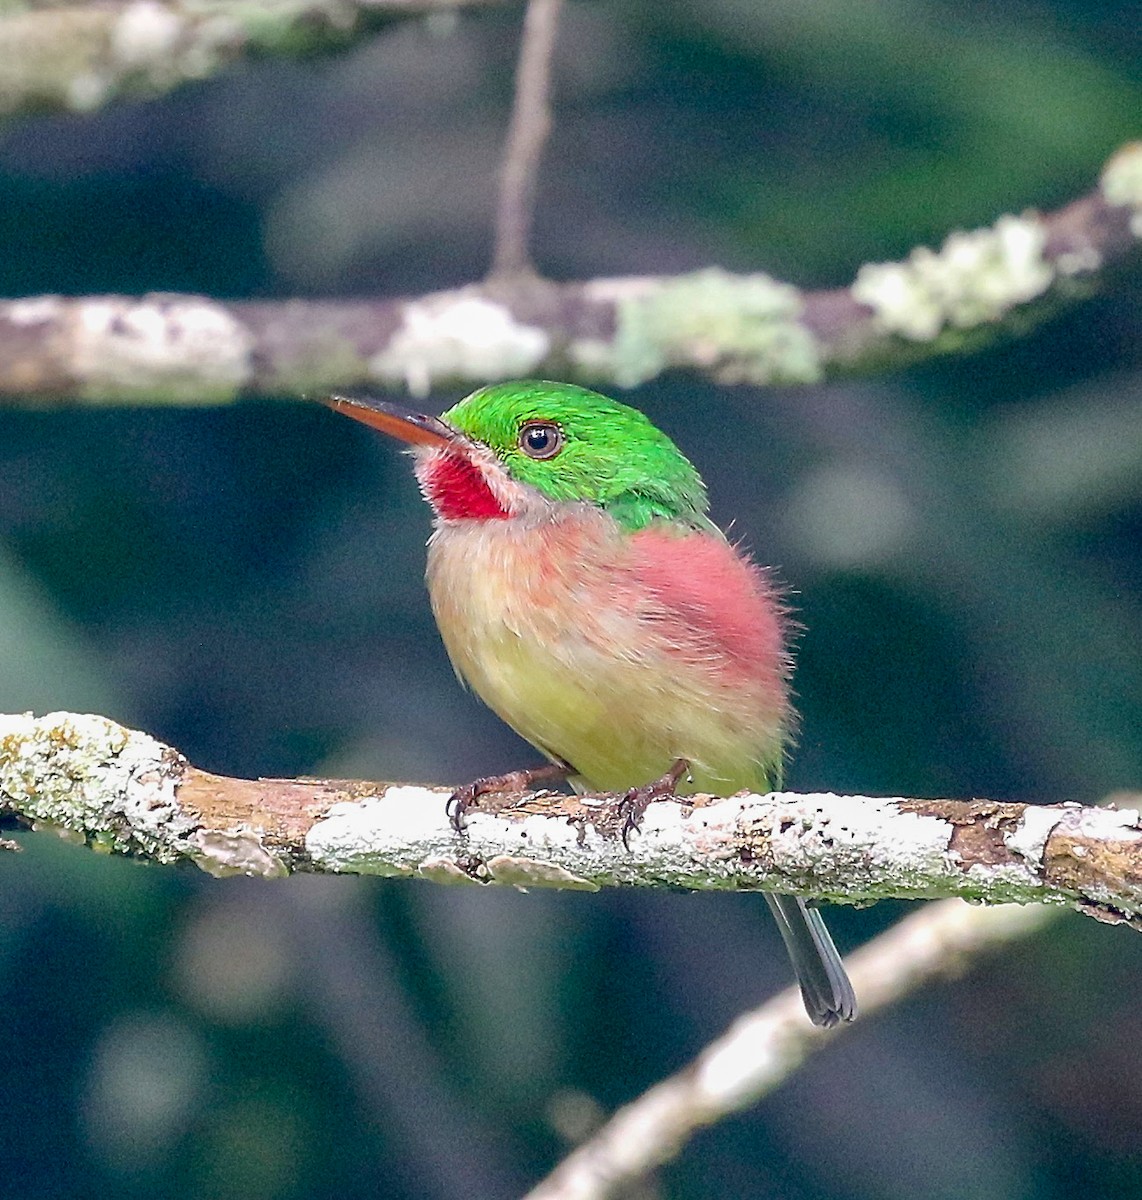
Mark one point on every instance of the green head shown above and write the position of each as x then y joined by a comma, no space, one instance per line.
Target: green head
573,444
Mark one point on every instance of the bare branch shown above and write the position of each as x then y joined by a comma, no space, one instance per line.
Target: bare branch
122,790
980,286
764,1047
81,56
530,126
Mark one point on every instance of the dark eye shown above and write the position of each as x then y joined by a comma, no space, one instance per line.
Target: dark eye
540,439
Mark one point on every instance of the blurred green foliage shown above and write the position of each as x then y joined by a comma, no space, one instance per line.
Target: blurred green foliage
964,544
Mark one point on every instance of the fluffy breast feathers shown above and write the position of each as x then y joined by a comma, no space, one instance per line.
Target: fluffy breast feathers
619,652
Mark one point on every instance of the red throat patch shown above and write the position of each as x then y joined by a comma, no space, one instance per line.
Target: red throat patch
457,490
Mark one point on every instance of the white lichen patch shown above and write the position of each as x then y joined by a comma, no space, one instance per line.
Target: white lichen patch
1080,261
458,335
661,850
145,32
744,328
1110,823
87,90
88,774
158,348
1121,183
1029,838
975,278
223,853
35,310
406,831
786,842
853,842
152,43
392,834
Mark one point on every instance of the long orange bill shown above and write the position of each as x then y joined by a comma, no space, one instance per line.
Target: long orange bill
417,428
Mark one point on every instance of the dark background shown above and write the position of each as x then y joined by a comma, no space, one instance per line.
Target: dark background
964,541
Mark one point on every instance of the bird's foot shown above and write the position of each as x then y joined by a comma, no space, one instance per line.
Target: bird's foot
632,807
466,797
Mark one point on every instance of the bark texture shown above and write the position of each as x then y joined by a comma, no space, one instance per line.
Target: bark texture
121,790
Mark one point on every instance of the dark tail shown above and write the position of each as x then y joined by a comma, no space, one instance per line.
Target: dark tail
825,986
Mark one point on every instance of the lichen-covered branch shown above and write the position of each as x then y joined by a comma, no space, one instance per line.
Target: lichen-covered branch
764,1047
80,56
173,349
122,790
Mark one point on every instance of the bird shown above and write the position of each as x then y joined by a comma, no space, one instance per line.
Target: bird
582,591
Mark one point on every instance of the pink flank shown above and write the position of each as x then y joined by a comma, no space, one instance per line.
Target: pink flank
723,601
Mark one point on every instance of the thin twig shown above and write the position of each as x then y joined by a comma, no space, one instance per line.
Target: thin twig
764,1047
530,125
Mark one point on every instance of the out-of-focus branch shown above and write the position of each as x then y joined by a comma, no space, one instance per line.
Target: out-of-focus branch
980,286
530,125
80,56
122,790
764,1047
351,979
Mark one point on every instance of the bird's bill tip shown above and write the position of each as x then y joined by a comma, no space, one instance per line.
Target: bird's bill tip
418,429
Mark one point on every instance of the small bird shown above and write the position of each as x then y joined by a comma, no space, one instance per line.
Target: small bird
582,591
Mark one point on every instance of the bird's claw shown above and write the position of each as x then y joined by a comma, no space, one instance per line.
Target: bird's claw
459,802
632,807
514,782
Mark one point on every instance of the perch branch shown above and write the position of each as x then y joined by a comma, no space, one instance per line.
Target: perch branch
172,349
79,57
530,125
764,1047
122,790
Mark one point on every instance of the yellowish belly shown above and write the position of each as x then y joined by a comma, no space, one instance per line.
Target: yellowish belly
577,671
